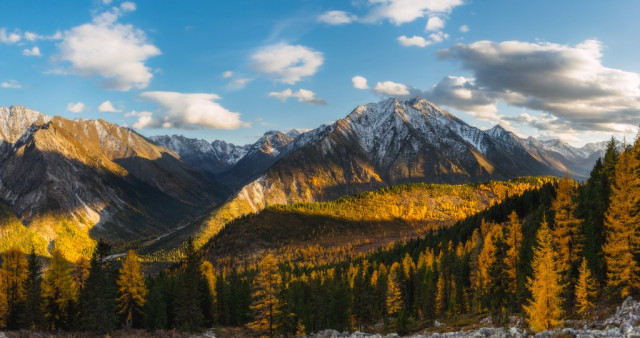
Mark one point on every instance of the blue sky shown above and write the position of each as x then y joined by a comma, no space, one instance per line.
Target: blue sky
232,70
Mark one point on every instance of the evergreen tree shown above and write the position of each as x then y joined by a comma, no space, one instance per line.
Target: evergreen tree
544,310
266,288
81,272
486,259
58,292
14,273
188,295
500,284
208,272
31,316
621,221
97,301
586,289
566,232
132,289
155,308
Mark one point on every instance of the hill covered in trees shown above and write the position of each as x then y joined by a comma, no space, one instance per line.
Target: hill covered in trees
562,251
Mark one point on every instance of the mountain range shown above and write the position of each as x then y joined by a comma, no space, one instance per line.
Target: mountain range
67,181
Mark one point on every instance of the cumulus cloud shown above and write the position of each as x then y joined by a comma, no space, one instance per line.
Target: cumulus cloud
463,29
434,24
337,17
403,11
303,95
75,107
107,107
418,41
9,37
393,89
31,36
227,74
187,111
239,83
287,63
569,82
107,49
35,51
359,82
415,40
13,84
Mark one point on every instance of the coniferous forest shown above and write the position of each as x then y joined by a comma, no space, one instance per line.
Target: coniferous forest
565,250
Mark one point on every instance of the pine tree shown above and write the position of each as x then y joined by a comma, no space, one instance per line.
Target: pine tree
208,272
567,231
266,288
621,221
31,316
586,289
97,300
14,272
394,293
544,310
513,241
132,288
500,284
188,294
58,292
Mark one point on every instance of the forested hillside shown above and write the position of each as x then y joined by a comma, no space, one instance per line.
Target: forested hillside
563,251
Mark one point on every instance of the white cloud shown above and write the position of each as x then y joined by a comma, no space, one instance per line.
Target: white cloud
188,111
107,107
11,84
287,63
403,11
110,50
337,17
35,51
415,40
9,38
30,36
463,29
239,83
568,82
418,41
434,24
303,95
390,88
77,107
359,82
227,74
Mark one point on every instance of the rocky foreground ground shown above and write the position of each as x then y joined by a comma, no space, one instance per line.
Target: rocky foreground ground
624,323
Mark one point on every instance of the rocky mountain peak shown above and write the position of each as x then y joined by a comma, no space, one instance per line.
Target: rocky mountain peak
16,120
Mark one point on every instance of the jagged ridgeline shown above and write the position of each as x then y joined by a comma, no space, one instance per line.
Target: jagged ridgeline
359,223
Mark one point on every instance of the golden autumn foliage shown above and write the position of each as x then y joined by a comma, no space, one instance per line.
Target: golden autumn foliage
13,272
586,289
621,222
58,291
266,288
567,227
394,295
488,254
513,241
131,288
544,310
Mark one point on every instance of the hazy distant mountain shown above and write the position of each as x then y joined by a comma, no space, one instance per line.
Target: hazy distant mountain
67,179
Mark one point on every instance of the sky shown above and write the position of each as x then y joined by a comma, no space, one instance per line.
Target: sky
232,70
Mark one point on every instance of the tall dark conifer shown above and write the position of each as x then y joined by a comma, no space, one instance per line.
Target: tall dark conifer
31,315
98,297
188,293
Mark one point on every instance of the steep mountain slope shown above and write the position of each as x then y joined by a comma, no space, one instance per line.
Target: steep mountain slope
69,180
387,143
358,223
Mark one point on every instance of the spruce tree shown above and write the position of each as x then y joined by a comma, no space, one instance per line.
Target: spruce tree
97,301
621,222
266,288
31,316
58,292
544,310
131,288
188,294
586,289
500,284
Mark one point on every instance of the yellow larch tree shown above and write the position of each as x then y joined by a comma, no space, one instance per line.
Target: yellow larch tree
566,231
586,289
487,255
621,220
440,294
266,287
210,276
544,310
58,291
394,293
513,241
131,288
14,273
